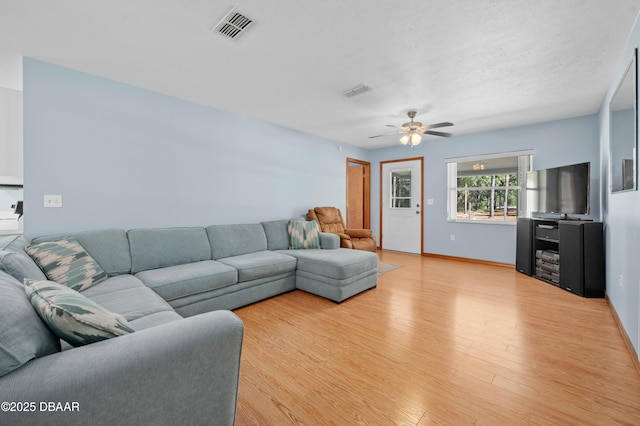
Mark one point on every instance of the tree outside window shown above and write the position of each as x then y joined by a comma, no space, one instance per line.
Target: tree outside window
487,197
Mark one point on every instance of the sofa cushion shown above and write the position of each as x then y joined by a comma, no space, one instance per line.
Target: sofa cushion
13,242
114,285
67,262
175,282
20,266
73,317
234,240
154,248
16,262
329,241
338,264
277,233
23,335
261,264
304,234
109,247
128,296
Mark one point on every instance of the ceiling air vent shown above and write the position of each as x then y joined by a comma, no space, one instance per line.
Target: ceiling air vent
233,25
356,90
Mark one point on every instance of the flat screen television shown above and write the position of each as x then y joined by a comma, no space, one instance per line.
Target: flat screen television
563,190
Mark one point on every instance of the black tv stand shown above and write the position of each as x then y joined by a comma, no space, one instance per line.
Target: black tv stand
568,253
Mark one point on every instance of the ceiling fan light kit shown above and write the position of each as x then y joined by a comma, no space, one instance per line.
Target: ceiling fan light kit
412,138
413,131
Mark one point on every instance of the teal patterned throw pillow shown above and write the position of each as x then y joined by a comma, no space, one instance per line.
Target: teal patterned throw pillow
67,262
304,235
72,316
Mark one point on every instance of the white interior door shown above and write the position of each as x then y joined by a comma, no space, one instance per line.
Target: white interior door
401,206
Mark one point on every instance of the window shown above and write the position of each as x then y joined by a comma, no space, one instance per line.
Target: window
488,188
401,189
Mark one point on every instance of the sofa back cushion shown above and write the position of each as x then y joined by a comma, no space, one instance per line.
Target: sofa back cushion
234,240
16,262
23,335
277,233
153,248
109,247
13,242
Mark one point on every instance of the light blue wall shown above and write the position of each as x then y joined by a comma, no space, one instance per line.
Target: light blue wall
622,219
555,143
125,157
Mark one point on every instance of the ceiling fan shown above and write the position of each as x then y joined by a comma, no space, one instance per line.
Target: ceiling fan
413,129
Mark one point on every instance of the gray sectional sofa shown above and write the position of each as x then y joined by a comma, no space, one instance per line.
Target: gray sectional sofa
175,287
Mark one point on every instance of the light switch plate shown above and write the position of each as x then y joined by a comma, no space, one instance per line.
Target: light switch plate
53,200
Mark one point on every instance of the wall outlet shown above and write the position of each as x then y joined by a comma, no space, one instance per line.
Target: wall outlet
429,201
453,237
53,200
620,280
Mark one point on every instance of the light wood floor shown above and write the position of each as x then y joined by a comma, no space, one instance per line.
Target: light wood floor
437,342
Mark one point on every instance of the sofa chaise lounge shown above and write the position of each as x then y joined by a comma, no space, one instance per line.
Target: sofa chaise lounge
175,287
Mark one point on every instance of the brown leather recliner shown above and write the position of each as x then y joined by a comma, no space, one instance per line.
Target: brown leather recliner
330,220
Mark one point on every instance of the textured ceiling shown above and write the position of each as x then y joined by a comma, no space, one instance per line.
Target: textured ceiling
481,64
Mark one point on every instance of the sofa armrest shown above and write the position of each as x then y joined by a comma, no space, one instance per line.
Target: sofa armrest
181,372
345,240
359,233
329,241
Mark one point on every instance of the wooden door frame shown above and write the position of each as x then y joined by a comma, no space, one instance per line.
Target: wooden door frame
367,190
421,159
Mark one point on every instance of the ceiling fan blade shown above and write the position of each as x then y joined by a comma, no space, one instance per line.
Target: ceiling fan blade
391,125
444,135
436,125
385,134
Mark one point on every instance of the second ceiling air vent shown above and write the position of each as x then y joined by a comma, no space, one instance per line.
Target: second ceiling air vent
234,25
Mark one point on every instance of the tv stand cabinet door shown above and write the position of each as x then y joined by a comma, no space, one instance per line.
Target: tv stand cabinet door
571,246
594,277
525,252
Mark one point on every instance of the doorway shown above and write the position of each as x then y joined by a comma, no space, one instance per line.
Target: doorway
401,205
358,194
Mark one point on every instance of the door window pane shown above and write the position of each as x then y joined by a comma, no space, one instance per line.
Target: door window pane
400,189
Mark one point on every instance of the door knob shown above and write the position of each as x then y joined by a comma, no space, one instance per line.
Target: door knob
417,211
